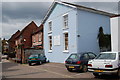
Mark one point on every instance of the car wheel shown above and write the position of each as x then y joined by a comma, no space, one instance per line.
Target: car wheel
48,61
40,62
30,64
96,74
70,70
84,68
45,61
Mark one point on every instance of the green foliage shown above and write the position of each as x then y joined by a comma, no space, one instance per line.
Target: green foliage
20,46
107,40
101,38
104,39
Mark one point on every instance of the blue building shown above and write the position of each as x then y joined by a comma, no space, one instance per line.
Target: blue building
71,28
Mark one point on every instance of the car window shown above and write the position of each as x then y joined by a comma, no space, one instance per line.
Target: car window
41,55
33,55
85,57
73,56
106,56
91,55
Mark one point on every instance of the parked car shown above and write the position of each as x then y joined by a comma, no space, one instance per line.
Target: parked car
36,58
79,61
4,56
105,63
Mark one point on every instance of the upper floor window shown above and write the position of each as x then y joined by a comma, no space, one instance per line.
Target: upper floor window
34,39
65,21
16,42
40,36
50,25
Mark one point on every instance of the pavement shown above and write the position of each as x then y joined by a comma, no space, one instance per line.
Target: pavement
47,70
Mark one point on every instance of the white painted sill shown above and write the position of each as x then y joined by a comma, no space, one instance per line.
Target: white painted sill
65,28
49,32
66,51
50,51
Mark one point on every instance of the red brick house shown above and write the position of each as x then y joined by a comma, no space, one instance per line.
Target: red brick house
4,46
11,42
24,40
37,38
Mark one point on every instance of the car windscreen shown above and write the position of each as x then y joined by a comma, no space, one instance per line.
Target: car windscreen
106,56
73,56
34,55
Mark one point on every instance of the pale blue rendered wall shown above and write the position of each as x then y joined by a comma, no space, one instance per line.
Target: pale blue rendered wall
56,17
83,23
88,28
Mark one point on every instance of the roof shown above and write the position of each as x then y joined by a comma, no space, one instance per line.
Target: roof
26,28
14,36
77,7
40,28
115,16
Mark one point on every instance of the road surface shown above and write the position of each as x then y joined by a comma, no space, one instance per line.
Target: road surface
47,70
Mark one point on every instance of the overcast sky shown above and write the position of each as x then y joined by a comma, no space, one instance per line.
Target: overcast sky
16,15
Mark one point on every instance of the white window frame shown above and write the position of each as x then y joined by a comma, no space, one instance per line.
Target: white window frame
64,50
50,50
65,27
49,27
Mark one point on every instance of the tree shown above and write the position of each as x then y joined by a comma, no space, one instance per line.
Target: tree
104,40
101,38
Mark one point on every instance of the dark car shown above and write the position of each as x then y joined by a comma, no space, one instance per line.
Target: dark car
36,58
79,61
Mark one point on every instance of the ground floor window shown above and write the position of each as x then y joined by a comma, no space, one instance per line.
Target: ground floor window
66,41
50,42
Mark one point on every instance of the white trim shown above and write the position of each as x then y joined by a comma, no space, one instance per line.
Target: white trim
66,51
49,21
49,35
65,14
65,32
64,42
49,43
50,51
66,4
65,27
49,32
49,10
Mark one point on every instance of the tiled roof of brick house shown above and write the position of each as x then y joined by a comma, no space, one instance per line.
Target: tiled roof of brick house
40,28
29,25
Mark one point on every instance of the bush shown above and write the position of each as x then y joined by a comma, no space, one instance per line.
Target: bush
104,40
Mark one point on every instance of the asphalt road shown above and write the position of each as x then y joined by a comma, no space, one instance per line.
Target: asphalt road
48,70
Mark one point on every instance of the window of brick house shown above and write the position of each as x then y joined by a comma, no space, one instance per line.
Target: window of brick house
40,37
34,39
